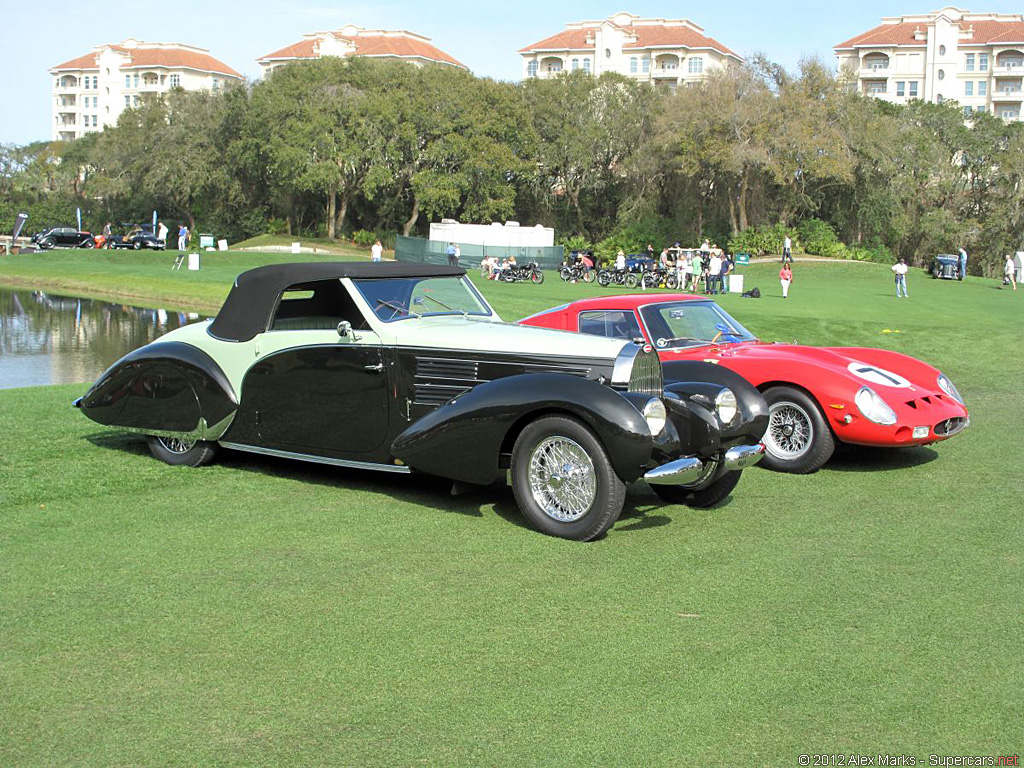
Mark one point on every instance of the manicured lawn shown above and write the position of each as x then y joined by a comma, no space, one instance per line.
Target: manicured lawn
265,612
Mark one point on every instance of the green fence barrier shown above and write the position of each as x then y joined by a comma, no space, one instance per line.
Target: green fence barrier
423,251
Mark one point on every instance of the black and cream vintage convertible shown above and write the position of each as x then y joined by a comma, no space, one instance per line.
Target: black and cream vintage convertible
406,368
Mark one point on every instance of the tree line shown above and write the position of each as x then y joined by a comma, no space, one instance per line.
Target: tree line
338,148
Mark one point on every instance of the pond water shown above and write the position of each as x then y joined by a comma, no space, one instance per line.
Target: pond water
50,339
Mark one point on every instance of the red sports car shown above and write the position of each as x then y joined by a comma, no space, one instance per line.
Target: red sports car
816,395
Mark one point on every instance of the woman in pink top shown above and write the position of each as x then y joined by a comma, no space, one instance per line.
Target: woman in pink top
785,277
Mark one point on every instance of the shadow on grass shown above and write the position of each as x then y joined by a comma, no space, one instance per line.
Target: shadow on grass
858,459
642,510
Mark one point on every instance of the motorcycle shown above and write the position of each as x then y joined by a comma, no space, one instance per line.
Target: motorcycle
530,271
660,278
576,273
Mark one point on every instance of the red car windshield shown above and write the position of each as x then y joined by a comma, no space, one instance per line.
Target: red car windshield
691,324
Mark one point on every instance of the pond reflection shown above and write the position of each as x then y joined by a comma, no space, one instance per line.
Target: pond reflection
48,339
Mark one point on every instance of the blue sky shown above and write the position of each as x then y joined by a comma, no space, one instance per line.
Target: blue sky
483,34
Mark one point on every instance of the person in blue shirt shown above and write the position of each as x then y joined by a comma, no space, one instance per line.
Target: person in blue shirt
450,250
963,263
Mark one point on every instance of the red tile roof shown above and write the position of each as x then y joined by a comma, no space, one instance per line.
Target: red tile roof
648,35
370,45
155,57
301,50
176,57
985,33
405,47
82,62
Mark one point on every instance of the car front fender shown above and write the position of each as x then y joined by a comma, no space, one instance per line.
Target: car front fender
163,388
699,382
464,439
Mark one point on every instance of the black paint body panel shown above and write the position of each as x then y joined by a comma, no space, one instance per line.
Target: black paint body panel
164,386
688,378
463,439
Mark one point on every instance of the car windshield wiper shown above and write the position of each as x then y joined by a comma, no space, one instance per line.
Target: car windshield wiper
398,309
421,299
666,342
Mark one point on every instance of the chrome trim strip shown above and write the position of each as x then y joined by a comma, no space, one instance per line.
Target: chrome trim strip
678,472
318,459
743,456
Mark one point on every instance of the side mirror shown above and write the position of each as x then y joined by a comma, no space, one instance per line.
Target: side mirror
345,330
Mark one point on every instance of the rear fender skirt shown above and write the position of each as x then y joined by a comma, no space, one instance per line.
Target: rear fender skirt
462,439
167,388
699,384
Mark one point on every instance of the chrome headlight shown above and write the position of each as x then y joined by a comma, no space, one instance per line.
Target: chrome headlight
725,405
874,407
947,386
655,414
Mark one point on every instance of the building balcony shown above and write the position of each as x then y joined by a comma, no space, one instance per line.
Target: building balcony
665,72
874,70
1008,94
1013,70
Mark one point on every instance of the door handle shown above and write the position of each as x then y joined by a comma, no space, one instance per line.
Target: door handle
374,368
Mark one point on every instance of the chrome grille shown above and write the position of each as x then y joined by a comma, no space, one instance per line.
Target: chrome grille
646,376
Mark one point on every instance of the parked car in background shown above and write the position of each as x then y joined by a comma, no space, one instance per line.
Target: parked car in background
62,237
405,368
817,396
946,266
136,239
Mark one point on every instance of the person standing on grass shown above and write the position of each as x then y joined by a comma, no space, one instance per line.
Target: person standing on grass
450,251
714,272
182,237
786,278
901,278
962,254
787,250
376,251
1010,272
161,231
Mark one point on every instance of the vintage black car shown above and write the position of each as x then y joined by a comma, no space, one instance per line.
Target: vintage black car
946,266
62,237
136,239
405,368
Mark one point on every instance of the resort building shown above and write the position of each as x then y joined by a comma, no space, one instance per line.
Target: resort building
975,59
664,52
91,92
351,40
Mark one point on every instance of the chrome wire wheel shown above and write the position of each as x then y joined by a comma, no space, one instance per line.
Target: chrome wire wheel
177,444
790,432
562,479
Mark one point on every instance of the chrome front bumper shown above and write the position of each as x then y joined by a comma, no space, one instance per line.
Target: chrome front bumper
688,470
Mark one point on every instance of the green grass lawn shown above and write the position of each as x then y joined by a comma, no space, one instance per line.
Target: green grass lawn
265,612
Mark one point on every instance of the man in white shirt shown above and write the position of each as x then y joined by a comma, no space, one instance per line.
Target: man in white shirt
161,231
620,261
376,251
714,271
901,278
787,250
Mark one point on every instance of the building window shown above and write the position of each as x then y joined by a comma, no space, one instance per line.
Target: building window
967,111
1008,113
695,65
127,101
607,53
135,101
979,110
901,88
983,62
942,50
982,88
969,88
586,65
176,79
970,62
531,71
127,81
942,74
94,119
645,64
555,67
96,83
633,65
913,89
575,64
85,83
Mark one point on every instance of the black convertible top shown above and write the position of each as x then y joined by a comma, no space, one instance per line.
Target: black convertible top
253,298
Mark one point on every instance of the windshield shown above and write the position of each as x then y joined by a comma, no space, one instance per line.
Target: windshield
691,324
401,298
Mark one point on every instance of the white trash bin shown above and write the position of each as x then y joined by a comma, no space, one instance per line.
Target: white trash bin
193,261
735,283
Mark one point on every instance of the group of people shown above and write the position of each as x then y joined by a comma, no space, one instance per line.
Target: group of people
491,268
706,269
